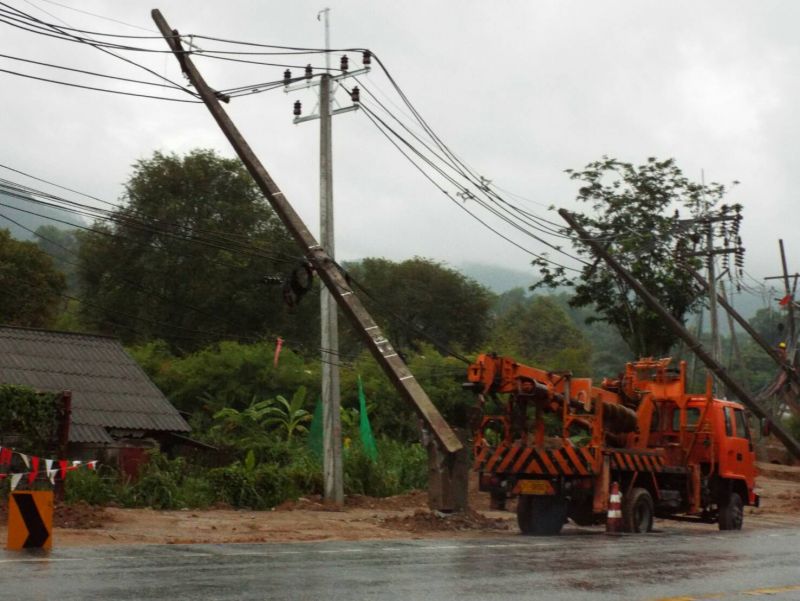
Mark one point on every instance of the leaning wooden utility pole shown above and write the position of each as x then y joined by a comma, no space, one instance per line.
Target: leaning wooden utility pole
330,274
694,345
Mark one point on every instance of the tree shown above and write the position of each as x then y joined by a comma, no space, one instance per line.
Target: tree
229,374
30,287
538,332
185,260
637,218
62,245
771,325
420,300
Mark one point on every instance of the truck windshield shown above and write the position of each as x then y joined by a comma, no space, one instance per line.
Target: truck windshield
742,431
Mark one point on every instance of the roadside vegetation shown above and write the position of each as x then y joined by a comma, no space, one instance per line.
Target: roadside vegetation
199,279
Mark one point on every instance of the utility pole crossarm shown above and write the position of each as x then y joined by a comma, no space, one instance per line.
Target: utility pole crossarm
328,271
694,345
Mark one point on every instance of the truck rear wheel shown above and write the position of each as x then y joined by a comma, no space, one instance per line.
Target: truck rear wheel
541,515
637,511
731,513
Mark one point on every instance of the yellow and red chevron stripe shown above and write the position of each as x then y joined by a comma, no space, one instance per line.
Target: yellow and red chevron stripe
636,461
516,459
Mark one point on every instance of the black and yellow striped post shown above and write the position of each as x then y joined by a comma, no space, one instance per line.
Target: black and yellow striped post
30,520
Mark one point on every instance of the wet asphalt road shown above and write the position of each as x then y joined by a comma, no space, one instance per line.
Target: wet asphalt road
574,566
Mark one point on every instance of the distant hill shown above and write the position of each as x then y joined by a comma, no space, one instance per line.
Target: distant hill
21,211
498,279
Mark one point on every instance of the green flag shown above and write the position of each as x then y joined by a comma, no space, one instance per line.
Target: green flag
315,431
367,439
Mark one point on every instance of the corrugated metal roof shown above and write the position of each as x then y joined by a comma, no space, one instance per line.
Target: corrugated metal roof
84,433
109,389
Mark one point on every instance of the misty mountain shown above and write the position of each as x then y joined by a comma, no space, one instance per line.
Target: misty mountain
31,215
498,279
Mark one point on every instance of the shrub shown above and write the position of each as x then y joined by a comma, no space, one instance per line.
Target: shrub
400,467
92,487
29,415
196,492
248,484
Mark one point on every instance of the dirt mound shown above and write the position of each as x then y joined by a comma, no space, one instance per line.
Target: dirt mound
429,521
779,472
80,516
415,498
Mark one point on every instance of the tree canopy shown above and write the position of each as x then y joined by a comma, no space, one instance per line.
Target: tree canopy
420,300
31,288
185,259
537,331
636,216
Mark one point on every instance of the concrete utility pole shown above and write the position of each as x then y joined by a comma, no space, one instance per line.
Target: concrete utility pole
330,274
712,293
329,326
694,345
331,392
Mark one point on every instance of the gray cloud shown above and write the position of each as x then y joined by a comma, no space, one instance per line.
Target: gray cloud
520,90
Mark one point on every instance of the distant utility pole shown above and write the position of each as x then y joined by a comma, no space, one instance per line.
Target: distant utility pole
329,334
790,294
731,245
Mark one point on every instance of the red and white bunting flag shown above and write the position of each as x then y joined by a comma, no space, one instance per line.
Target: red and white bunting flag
15,478
62,463
51,473
26,460
34,469
5,456
92,465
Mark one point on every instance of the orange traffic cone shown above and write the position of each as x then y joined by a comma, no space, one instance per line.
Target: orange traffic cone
614,517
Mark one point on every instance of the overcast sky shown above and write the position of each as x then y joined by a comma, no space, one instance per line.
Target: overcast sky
520,90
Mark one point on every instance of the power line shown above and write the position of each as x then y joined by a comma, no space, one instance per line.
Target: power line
86,12
217,243
96,89
126,79
382,126
224,235
71,37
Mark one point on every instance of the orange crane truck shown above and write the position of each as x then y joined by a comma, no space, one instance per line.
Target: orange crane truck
557,443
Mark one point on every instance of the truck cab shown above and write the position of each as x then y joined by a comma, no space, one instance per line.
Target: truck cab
712,434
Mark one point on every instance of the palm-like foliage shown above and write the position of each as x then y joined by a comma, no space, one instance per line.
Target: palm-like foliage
261,417
288,416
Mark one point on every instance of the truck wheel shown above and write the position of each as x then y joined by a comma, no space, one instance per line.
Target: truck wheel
731,514
637,511
540,515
